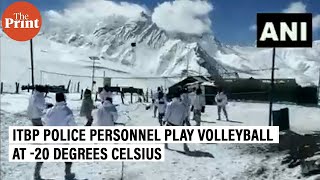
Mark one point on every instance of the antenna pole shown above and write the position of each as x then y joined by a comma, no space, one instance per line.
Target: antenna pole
272,86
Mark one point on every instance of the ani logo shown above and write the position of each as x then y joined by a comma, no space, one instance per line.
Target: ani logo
284,30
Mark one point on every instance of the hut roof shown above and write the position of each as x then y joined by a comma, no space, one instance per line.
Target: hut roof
191,79
206,83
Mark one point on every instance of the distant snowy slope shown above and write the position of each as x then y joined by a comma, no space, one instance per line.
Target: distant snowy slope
162,53
48,56
303,64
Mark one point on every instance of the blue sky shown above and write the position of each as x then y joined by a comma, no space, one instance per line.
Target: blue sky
231,19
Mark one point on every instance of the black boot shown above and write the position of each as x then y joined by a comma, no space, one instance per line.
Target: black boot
166,146
89,121
69,175
160,122
185,147
37,175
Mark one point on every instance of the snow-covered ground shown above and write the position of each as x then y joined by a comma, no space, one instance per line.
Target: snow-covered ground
219,161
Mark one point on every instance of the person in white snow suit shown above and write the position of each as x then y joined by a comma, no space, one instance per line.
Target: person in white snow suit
59,115
105,93
37,105
222,101
186,101
192,95
161,104
154,98
87,107
107,114
198,106
175,114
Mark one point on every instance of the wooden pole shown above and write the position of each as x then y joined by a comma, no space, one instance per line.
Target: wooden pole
81,96
1,89
117,91
147,95
70,91
32,67
78,88
165,83
93,64
17,87
272,86
122,96
319,89
187,67
75,87
68,88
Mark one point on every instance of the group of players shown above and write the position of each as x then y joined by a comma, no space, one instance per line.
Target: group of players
42,113
176,111
173,111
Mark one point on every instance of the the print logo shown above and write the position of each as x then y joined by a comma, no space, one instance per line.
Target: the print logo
284,30
21,21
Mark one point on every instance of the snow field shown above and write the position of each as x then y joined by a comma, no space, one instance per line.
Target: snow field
203,162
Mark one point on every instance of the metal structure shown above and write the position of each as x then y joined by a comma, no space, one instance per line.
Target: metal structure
272,85
32,67
53,89
177,76
93,58
319,89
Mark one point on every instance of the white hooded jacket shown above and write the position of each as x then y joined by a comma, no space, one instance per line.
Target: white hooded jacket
221,99
104,94
162,105
37,105
198,102
59,115
107,114
186,101
192,95
175,112
155,95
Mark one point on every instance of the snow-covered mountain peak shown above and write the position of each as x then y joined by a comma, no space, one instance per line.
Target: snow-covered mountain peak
169,53
145,17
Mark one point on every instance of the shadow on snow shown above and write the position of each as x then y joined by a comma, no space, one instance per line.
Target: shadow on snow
195,153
